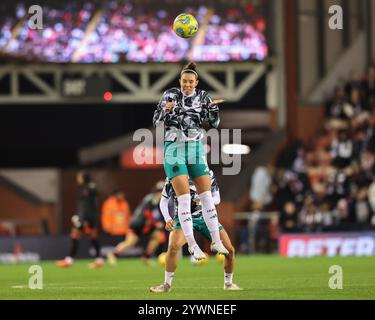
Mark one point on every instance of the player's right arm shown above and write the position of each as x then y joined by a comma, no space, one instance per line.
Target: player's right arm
164,106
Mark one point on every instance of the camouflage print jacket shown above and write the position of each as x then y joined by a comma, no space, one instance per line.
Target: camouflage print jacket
184,122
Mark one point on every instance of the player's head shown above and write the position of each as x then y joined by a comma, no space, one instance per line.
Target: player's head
158,187
156,190
189,78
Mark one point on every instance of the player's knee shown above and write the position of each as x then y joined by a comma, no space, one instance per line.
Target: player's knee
231,251
156,235
173,249
132,239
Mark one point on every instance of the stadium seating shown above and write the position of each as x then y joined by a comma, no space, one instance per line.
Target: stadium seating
126,32
324,185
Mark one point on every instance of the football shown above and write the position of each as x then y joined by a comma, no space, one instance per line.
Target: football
162,258
220,258
185,25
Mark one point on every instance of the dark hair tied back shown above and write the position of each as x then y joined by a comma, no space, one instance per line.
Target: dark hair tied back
191,67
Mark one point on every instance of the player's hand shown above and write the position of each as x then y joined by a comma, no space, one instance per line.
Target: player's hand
169,225
169,106
216,102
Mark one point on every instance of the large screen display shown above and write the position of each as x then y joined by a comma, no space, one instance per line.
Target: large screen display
133,31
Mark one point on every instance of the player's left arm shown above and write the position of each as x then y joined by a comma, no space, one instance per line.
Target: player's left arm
212,107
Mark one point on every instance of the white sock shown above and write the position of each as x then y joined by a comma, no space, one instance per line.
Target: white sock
228,277
210,215
186,221
168,277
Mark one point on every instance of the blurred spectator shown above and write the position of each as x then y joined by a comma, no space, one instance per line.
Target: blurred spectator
367,166
330,220
288,155
336,108
354,82
298,187
346,221
360,208
338,186
371,199
289,218
369,87
311,218
342,150
260,189
299,163
116,214
357,106
369,136
359,144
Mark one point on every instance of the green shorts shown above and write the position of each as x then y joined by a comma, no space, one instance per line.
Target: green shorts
185,158
198,225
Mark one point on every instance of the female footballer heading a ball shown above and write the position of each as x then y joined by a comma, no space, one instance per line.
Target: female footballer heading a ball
183,111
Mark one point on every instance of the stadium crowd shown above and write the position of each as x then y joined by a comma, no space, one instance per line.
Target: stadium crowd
329,183
63,30
234,32
134,32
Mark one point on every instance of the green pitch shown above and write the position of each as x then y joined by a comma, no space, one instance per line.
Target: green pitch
262,277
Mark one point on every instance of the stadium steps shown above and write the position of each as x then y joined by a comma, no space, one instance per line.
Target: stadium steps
20,191
343,65
23,212
15,32
90,28
199,38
